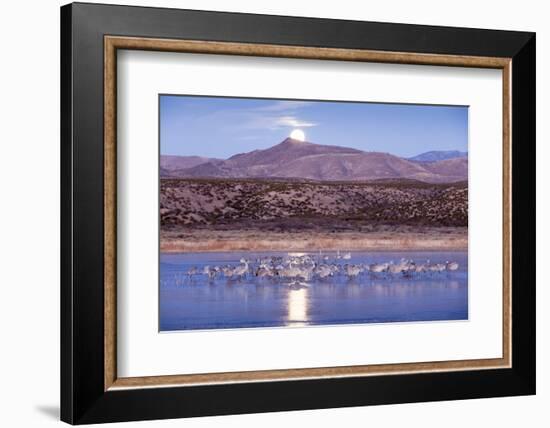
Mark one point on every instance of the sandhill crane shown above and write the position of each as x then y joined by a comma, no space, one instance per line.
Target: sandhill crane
322,271
210,272
227,271
451,266
352,270
395,269
378,268
437,268
192,271
263,271
291,272
241,270
410,268
303,267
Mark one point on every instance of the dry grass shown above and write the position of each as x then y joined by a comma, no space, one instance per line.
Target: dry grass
204,241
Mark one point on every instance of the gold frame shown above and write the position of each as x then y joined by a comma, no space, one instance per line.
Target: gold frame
112,43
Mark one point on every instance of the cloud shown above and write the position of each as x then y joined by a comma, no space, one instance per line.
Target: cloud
274,122
278,115
293,122
274,116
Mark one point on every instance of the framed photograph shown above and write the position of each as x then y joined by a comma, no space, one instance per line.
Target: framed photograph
265,213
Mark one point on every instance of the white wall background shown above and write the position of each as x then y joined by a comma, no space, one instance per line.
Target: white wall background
29,214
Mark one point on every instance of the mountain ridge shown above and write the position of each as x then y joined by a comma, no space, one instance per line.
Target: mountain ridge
306,160
438,155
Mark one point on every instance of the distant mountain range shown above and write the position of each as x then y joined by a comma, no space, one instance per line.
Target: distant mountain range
438,155
170,164
303,160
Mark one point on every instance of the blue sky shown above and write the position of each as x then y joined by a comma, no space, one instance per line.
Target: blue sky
221,127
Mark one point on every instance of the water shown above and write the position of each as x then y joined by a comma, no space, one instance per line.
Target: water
199,303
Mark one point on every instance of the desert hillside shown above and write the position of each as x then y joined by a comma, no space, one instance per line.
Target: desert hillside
239,204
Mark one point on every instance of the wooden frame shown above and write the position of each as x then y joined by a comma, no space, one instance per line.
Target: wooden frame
112,43
505,55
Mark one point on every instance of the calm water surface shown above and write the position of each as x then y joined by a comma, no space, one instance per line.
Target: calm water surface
199,303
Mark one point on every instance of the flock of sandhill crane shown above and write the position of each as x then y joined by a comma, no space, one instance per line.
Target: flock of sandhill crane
307,267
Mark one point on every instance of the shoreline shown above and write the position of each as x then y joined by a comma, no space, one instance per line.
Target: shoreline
315,241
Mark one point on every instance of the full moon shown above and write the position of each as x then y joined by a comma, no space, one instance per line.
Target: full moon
298,134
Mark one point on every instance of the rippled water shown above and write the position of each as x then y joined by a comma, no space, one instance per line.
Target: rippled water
199,303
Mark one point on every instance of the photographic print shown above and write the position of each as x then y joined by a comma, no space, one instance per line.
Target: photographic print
293,213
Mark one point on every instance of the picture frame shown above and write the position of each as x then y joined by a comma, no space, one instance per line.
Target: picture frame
91,390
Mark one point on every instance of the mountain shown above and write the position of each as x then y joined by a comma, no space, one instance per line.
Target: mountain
438,155
287,151
272,162
455,169
172,163
305,160
351,166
